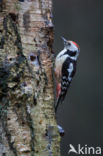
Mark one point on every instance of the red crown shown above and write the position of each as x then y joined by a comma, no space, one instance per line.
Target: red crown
75,44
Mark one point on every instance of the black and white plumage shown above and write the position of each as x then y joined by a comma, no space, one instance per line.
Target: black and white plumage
65,68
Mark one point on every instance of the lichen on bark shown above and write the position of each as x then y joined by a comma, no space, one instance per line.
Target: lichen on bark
27,118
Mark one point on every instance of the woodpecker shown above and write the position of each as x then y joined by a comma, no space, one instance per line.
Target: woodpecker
65,68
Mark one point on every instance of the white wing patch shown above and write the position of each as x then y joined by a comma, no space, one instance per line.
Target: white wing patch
70,70
69,78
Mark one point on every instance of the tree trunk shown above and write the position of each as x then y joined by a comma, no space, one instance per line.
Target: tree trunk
27,119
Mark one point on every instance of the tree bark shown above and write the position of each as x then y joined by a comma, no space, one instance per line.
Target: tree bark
27,118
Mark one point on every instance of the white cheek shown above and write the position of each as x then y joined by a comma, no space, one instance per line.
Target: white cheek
73,48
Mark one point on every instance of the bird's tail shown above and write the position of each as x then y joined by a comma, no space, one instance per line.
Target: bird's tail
62,95
60,100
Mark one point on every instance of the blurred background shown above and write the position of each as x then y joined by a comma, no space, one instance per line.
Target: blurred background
81,115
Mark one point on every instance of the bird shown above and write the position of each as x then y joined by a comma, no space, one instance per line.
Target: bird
65,68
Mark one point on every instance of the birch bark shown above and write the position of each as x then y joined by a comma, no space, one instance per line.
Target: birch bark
27,119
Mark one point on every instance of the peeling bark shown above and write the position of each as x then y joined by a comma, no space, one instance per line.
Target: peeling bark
27,118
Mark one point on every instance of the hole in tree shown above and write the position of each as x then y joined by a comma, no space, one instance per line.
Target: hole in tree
32,58
1,31
10,59
13,17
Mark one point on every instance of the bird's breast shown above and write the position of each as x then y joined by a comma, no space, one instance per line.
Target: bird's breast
59,64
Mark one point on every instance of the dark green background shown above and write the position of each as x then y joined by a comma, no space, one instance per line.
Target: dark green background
82,113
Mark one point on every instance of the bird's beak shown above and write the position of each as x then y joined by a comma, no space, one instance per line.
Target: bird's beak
64,40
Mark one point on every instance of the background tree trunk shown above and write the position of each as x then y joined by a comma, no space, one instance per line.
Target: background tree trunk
27,118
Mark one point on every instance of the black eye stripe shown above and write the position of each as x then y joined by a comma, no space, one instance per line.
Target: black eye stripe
71,53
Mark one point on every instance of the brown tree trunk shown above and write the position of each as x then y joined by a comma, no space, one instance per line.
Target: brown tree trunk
27,119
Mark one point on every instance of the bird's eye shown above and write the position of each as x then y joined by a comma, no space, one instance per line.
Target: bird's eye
69,44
